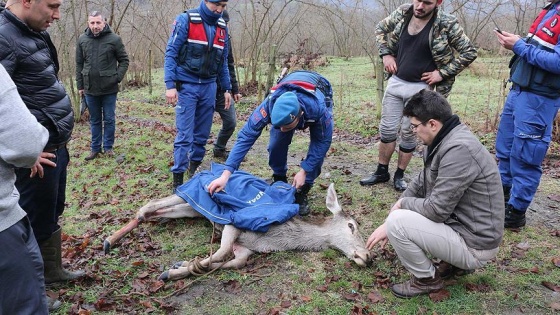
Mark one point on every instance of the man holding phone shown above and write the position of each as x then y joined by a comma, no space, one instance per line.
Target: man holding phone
525,128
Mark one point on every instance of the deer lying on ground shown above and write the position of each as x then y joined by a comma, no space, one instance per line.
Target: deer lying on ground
339,232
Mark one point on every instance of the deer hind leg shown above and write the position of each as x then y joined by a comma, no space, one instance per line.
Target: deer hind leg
186,268
241,253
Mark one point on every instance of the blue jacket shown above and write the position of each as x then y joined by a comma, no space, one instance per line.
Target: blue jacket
173,72
536,65
247,202
317,116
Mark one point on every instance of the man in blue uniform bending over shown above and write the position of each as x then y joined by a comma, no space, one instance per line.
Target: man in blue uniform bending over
302,99
195,57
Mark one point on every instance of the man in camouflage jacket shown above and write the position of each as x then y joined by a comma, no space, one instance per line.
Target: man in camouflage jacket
417,43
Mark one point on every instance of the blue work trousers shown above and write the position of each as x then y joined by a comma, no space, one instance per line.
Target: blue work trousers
102,120
43,198
229,120
524,135
278,155
22,289
193,119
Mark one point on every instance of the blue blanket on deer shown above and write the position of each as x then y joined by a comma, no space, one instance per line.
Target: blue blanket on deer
247,202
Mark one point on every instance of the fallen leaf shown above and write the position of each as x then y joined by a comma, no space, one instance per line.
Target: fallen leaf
551,286
535,269
286,304
351,296
322,288
233,286
306,298
556,261
440,295
523,246
156,286
104,305
554,197
479,287
375,297
555,306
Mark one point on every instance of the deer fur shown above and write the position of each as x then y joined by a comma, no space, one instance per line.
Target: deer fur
339,232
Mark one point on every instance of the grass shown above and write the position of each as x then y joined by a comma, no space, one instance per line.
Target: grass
104,194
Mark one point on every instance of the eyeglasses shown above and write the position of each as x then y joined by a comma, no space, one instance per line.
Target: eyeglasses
413,127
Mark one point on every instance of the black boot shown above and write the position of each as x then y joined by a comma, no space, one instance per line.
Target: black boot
177,180
514,218
52,257
301,199
507,194
279,178
193,166
53,304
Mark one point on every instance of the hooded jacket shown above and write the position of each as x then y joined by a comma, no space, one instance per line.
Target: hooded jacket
31,60
101,62
446,35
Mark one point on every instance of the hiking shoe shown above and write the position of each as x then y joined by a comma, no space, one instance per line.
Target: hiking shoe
448,271
418,286
92,155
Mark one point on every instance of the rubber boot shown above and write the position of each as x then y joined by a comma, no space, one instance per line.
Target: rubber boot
301,199
507,194
53,304
279,178
177,181
193,166
514,218
52,257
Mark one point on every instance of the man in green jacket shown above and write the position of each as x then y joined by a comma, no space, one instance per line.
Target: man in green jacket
101,63
422,47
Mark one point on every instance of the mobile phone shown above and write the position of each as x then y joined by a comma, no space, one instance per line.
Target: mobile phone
498,30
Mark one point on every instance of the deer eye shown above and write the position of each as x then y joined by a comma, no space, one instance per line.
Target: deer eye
351,226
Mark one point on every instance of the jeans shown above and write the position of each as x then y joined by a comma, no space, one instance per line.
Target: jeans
229,121
21,270
43,198
102,116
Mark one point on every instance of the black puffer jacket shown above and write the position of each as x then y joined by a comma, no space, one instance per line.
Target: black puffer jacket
31,60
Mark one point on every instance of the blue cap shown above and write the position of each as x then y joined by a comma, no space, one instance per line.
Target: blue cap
286,109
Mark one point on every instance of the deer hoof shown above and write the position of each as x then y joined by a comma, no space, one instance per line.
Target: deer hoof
106,246
178,265
164,276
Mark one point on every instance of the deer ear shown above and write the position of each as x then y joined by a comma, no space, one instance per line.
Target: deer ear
332,201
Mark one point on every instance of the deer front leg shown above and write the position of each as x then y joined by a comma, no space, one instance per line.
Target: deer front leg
186,268
152,207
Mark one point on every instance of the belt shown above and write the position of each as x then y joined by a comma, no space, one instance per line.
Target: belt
54,148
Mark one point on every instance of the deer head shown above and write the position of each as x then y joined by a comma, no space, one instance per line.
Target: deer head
345,234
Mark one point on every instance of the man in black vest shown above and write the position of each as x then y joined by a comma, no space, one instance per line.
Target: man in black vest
30,58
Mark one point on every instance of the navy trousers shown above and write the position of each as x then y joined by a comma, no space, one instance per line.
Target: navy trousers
43,198
22,284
